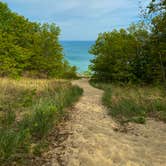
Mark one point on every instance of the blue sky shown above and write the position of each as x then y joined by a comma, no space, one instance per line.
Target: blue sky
79,19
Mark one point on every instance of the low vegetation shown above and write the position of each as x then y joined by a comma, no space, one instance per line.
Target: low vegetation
29,109
129,103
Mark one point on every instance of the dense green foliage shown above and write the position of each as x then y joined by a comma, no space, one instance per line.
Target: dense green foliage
30,49
135,54
29,110
133,103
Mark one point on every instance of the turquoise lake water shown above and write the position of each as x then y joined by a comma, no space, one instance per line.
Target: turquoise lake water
76,52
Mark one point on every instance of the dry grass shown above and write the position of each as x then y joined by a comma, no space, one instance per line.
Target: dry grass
26,83
14,92
136,93
134,103
29,109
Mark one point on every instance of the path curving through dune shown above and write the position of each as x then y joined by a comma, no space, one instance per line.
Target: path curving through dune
94,142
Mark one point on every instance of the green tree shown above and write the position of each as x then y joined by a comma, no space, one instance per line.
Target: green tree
157,13
137,54
114,55
30,48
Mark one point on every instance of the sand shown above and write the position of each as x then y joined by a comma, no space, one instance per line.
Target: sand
93,140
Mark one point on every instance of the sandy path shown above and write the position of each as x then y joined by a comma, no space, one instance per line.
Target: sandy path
93,141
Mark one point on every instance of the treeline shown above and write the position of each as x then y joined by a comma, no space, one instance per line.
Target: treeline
136,54
30,49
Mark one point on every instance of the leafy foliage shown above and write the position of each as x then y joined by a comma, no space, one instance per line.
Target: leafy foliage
135,54
30,49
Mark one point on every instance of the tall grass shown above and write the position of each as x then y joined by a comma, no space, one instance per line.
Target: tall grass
129,103
29,109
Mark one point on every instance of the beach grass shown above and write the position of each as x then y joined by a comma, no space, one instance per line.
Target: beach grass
29,110
132,103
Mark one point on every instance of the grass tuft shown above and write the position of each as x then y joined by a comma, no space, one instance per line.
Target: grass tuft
131,103
29,109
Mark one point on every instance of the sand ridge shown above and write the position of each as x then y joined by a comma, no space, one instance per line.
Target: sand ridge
94,142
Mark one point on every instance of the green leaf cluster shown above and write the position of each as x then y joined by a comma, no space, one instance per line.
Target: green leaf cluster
29,48
135,54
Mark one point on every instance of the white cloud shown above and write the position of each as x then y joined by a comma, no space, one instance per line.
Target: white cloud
82,16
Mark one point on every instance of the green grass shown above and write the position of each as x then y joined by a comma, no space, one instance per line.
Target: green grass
29,110
130,103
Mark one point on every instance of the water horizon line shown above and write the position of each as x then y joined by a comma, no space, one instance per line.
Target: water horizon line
77,40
